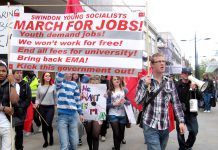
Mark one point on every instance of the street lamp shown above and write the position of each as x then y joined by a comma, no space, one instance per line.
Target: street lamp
197,73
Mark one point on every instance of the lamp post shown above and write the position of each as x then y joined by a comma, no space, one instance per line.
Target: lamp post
197,73
196,60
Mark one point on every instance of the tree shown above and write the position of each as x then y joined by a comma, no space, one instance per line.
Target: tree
203,66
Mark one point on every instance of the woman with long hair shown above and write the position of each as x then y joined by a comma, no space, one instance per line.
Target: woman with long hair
46,99
115,103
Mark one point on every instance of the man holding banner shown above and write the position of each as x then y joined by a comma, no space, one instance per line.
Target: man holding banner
68,107
7,96
155,115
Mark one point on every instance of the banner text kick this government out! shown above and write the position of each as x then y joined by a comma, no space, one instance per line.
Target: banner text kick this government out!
107,43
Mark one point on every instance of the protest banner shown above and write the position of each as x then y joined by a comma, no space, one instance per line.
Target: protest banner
109,43
6,15
130,114
93,101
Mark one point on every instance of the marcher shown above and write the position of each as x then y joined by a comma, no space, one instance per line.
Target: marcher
93,127
68,107
208,93
76,78
6,82
115,104
46,99
215,84
187,91
105,124
32,80
155,116
20,109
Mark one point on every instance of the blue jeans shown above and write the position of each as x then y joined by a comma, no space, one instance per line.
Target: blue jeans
68,131
155,139
192,126
120,119
207,97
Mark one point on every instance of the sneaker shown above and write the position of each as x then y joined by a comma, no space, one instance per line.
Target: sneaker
208,111
103,138
27,133
123,141
80,142
205,111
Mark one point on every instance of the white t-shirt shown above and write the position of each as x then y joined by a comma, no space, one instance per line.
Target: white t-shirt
17,88
119,110
4,122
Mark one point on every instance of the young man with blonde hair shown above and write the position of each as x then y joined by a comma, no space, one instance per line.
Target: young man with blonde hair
155,116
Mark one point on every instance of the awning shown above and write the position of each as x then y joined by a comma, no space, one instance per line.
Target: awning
212,67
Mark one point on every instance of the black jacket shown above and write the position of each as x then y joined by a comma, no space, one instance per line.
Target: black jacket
185,94
210,87
21,108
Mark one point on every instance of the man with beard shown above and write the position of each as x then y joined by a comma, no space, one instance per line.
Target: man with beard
8,95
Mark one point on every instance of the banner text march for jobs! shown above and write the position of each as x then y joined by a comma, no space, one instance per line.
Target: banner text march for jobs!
38,45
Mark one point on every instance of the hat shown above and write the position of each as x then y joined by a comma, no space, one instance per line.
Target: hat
187,70
2,63
84,79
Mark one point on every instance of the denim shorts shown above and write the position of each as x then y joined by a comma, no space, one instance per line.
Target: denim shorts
120,119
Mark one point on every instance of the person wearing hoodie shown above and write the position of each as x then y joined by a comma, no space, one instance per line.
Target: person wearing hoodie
9,96
20,109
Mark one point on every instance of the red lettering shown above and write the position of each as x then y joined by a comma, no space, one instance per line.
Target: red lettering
122,25
30,26
39,25
88,24
78,25
133,26
47,26
111,24
19,25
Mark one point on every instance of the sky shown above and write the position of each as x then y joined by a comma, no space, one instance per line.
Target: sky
184,18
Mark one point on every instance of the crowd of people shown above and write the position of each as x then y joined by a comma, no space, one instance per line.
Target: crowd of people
26,98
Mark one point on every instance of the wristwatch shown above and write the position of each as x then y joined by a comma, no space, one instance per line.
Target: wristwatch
13,84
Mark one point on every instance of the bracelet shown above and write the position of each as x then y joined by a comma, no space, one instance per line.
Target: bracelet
3,109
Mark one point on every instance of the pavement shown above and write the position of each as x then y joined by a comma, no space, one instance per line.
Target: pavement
207,137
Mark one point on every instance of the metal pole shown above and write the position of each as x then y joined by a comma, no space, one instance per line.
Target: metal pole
196,60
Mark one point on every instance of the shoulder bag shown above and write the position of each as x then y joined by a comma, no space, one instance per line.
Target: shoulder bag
149,99
44,95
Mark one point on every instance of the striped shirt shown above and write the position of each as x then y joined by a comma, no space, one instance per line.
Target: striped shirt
156,113
68,96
